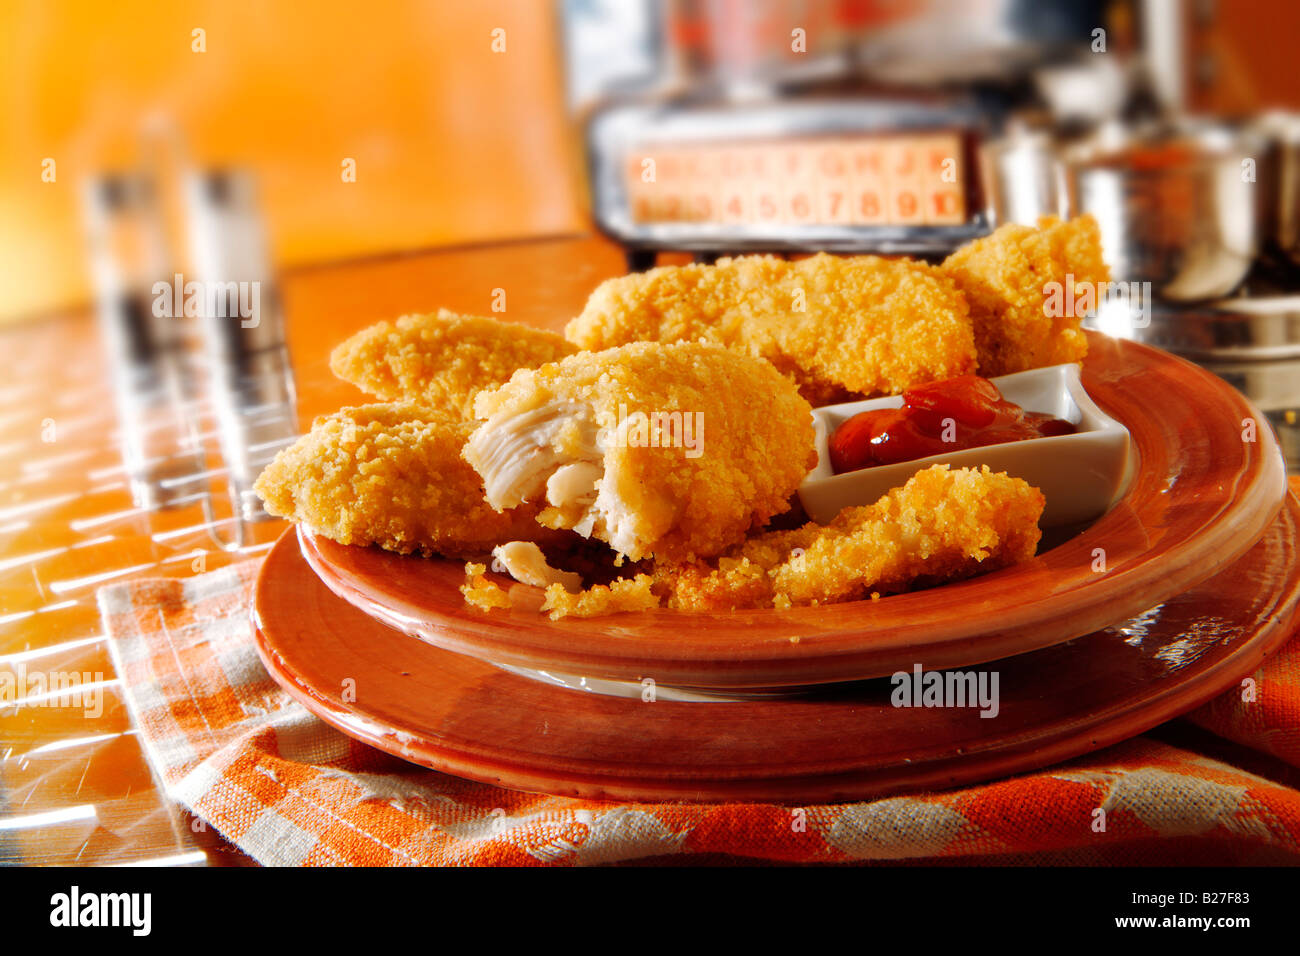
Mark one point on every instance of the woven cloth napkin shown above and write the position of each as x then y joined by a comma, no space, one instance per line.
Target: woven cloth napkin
1221,785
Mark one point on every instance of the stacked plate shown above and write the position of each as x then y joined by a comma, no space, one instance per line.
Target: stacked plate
1174,594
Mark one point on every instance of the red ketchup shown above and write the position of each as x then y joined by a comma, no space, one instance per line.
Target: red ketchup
968,411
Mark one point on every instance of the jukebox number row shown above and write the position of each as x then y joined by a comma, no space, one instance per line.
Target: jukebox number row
878,181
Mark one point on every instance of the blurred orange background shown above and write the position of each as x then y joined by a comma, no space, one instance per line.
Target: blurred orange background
453,142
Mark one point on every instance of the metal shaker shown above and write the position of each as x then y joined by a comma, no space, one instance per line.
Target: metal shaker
145,341
244,349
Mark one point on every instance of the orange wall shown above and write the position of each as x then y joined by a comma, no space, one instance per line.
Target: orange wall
453,142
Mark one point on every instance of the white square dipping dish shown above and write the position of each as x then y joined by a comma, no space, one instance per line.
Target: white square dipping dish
1081,475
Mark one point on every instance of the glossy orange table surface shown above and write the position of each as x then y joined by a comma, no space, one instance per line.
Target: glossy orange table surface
74,784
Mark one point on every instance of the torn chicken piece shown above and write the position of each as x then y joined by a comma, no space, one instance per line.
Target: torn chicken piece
1011,279
524,561
392,475
675,451
536,455
840,327
442,360
942,525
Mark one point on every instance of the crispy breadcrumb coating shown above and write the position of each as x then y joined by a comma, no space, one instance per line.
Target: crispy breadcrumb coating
390,475
621,595
1006,278
942,525
441,361
839,327
625,594
670,450
481,592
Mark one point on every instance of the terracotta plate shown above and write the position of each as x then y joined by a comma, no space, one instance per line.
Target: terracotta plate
465,717
1201,495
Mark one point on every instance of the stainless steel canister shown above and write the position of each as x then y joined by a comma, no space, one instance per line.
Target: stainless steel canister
1179,204
1020,177
1282,129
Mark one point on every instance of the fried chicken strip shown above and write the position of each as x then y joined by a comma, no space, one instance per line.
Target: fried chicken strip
1008,277
442,360
670,450
838,327
391,475
942,525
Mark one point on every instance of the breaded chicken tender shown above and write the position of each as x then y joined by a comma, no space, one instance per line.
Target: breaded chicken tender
942,525
1007,277
674,451
838,327
441,361
391,475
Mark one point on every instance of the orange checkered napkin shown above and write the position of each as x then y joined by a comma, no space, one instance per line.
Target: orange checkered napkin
287,789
